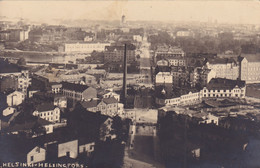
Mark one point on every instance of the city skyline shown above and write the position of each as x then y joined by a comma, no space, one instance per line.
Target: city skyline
241,12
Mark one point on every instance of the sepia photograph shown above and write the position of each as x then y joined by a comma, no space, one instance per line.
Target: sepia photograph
129,84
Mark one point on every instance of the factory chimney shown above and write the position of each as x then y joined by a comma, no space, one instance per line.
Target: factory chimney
124,95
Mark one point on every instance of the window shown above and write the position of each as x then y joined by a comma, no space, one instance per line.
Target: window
32,158
84,149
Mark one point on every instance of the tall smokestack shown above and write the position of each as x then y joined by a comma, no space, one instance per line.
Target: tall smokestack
124,78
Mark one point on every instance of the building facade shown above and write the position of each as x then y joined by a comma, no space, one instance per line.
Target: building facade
221,88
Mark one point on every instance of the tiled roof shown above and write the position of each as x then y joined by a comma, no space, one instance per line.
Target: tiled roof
73,86
222,83
110,100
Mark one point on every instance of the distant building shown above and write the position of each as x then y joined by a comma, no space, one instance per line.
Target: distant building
116,53
78,92
221,87
250,68
174,55
184,33
86,47
224,67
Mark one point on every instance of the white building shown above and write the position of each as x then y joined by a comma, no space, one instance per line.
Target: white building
85,47
36,155
69,149
15,98
48,112
221,87
164,78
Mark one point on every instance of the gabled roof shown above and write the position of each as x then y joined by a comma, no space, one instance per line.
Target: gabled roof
109,100
74,87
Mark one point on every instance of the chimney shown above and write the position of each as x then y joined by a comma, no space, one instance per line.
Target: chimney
124,79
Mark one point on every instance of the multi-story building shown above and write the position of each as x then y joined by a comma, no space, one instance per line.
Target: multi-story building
174,55
14,35
224,67
48,111
201,76
163,78
108,106
221,87
180,76
250,68
86,47
78,92
116,53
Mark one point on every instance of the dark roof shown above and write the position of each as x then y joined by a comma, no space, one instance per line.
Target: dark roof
110,100
89,104
6,67
222,83
73,86
45,107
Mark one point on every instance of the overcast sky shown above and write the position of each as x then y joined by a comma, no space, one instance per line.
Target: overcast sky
196,10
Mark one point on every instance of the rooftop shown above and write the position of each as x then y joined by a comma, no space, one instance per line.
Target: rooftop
110,100
75,87
222,83
45,107
221,60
